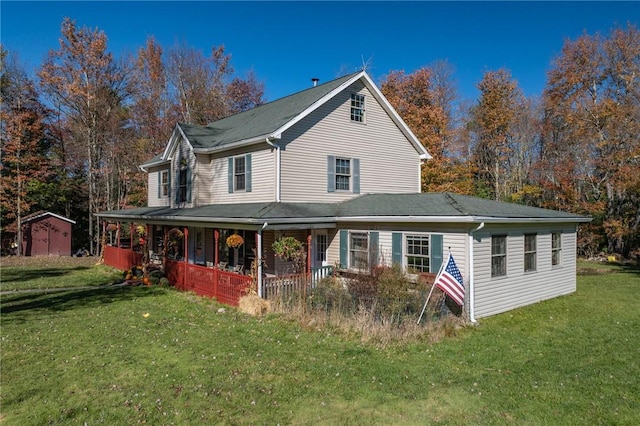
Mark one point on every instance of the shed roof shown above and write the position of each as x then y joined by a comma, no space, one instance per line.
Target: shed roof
37,215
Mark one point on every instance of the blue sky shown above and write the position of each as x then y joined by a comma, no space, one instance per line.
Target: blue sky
287,43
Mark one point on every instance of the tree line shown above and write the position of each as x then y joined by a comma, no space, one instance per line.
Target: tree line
73,137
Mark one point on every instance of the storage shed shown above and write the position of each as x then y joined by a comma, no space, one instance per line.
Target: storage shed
46,234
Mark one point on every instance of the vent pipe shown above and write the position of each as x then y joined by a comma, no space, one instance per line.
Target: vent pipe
315,81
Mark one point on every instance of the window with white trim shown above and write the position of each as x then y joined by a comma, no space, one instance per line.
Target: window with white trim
417,252
164,183
357,107
556,248
239,177
343,174
530,252
498,255
359,250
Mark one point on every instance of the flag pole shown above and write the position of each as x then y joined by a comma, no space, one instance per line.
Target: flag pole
432,287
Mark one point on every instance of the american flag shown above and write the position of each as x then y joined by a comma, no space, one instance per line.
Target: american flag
450,281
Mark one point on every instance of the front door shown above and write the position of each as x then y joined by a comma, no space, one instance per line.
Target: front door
198,246
319,244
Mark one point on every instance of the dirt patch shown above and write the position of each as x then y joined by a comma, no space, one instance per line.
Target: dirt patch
44,261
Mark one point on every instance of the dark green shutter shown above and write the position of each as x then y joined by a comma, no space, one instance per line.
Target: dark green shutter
344,248
396,248
436,252
331,173
374,248
178,191
169,184
160,184
188,185
230,175
247,171
356,175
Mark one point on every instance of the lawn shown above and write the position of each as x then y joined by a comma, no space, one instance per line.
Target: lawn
125,355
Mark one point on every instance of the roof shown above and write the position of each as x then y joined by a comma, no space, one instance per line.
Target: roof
270,120
375,208
37,215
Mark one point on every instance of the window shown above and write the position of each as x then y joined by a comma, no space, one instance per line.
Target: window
321,249
163,191
498,255
239,173
556,248
357,107
418,252
343,174
530,252
359,250
239,178
183,185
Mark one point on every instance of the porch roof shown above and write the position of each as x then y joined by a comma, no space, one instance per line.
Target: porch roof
428,207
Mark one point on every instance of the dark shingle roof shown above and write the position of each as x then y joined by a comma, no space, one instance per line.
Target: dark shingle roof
443,207
442,204
259,121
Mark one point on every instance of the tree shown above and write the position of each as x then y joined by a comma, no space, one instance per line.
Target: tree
24,149
492,125
199,83
90,88
591,148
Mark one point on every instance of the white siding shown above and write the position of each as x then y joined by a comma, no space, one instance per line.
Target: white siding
519,288
388,161
152,193
262,179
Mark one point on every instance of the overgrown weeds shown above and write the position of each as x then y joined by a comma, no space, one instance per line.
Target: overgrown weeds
382,308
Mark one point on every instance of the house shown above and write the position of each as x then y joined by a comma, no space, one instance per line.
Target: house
336,167
46,234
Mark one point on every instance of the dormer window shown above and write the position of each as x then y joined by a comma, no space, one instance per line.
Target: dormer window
357,107
184,186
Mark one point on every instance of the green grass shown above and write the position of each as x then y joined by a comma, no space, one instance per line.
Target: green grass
95,356
53,272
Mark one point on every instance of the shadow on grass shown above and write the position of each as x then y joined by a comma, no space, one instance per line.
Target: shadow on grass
15,274
55,301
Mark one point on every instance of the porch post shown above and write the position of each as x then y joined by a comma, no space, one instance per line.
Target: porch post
165,242
118,234
186,245
309,254
216,238
186,255
258,259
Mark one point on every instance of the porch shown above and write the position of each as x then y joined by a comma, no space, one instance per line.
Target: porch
227,285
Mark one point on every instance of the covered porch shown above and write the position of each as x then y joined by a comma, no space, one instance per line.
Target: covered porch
209,261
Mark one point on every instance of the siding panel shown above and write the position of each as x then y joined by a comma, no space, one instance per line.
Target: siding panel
329,131
517,288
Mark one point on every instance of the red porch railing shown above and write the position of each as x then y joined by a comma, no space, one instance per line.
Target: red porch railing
121,258
227,287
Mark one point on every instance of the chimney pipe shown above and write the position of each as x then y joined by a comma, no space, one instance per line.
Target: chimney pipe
315,81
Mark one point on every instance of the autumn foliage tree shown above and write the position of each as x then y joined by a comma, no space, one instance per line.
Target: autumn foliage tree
84,80
24,143
591,151
415,98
